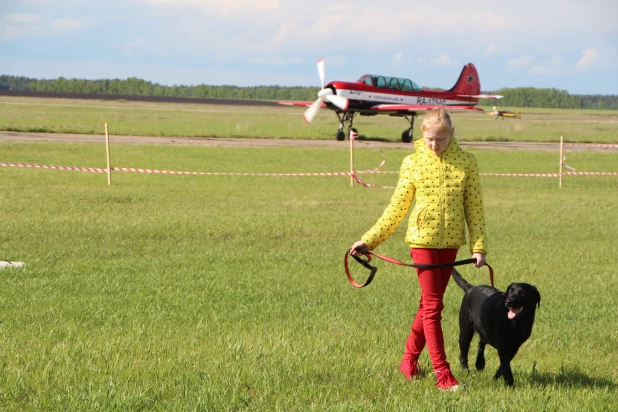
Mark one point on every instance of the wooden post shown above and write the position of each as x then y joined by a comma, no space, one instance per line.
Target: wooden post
351,135
561,158
109,167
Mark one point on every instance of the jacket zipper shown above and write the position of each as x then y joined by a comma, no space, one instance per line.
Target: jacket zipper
442,201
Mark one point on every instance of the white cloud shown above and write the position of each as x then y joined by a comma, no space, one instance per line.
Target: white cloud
491,50
66,23
274,60
21,18
138,47
398,58
135,43
335,61
442,60
602,58
521,62
590,58
359,35
555,65
223,6
158,73
15,26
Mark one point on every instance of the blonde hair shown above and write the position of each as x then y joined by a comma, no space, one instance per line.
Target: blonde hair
437,116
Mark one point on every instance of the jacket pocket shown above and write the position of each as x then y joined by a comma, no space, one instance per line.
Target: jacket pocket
421,216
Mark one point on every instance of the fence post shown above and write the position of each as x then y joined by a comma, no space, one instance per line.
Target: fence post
561,158
109,167
352,135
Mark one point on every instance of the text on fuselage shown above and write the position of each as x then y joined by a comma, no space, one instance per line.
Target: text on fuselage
432,101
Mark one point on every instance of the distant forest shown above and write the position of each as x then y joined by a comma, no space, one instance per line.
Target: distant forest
513,97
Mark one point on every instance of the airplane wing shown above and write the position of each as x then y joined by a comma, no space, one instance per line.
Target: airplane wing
481,96
418,107
299,104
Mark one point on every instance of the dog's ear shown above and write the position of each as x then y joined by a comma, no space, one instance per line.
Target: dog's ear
538,296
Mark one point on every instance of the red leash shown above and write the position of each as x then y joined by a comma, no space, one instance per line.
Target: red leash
373,269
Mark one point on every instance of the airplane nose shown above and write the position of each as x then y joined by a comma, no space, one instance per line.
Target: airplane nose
325,92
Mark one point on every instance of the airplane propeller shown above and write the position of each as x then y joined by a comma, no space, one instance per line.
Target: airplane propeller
320,65
324,95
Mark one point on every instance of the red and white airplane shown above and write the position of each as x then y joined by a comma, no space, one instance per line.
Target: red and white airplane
372,94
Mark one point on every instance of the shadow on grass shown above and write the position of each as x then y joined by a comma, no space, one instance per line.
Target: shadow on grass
571,379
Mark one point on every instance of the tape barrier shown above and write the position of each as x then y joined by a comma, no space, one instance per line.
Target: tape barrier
55,127
605,146
371,185
575,172
319,174
35,166
522,174
172,172
592,173
569,167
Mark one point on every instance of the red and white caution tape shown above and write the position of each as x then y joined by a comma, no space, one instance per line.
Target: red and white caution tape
320,174
605,146
522,174
172,172
592,173
54,127
569,167
371,185
35,166
377,172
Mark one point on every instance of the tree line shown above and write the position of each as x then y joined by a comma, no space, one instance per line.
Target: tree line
513,97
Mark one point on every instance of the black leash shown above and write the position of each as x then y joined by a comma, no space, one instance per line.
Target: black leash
373,269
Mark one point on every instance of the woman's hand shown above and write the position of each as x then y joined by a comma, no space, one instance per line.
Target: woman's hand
358,248
480,260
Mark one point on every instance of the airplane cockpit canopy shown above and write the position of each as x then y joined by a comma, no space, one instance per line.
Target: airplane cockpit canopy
386,82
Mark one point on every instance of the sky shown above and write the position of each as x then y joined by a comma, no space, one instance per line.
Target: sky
569,45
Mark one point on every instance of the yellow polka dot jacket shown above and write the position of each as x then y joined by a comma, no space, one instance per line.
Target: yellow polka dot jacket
448,196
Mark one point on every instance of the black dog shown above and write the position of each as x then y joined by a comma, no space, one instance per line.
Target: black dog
504,320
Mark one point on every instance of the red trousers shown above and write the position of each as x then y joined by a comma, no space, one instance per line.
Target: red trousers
427,326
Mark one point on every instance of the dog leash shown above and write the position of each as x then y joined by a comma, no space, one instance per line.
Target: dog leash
373,269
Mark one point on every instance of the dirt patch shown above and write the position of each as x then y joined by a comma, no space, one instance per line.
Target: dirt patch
246,142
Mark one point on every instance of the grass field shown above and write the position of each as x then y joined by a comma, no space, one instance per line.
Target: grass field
228,293
173,119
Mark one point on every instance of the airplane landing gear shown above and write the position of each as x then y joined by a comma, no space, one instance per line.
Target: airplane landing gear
407,135
344,117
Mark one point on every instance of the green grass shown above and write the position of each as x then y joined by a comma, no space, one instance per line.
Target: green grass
228,293
172,119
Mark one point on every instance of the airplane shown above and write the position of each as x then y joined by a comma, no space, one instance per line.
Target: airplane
371,95
504,113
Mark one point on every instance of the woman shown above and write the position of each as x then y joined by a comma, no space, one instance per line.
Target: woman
445,182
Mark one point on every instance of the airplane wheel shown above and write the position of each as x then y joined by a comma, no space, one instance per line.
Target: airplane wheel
340,136
406,136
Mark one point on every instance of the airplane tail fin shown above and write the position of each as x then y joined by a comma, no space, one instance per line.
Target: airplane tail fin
468,82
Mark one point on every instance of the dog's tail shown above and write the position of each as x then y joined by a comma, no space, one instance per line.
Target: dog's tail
461,282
